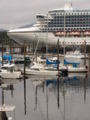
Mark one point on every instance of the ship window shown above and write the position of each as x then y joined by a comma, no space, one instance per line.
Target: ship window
39,16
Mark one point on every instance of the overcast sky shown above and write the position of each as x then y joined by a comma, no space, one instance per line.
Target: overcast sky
14,13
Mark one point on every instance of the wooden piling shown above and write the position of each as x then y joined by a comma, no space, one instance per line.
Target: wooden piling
2,52
89,59
2,96
58,103
58,55
11,48
85,53
24,58
85,88
58,74
24,79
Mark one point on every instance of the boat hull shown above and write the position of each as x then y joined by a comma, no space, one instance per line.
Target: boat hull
40,72
77,70
10,75
32,36
71,69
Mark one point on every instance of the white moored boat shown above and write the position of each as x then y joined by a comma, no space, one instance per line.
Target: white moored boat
77,70
7,71
75,54
74,67
39,69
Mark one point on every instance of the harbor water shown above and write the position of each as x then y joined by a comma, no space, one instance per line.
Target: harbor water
48,98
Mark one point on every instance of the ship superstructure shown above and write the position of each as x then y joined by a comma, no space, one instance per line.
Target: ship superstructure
69,25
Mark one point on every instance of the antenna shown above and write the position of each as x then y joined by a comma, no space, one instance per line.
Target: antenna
69,2
68,5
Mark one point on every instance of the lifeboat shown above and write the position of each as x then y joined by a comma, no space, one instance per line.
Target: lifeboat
60,33
75,33
87,33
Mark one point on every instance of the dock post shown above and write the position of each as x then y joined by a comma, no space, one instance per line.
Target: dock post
47,110
36,56
36,97
11,47
85,52
89,58
58,96
2,52
58,104
58,56
24,58
33,47
2,96
24,78
85,88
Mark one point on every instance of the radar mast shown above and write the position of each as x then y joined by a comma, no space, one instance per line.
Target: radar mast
68,5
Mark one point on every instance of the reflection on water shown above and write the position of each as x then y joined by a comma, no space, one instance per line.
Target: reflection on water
48,98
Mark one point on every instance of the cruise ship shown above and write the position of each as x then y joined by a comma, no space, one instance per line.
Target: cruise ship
70,26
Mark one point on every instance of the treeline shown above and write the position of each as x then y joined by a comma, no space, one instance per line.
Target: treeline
4,39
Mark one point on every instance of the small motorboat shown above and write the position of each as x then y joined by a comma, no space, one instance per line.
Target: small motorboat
76,54
8,71
74,67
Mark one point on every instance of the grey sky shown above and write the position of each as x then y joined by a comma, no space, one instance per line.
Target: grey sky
14,13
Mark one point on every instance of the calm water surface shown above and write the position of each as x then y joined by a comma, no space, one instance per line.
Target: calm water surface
49,98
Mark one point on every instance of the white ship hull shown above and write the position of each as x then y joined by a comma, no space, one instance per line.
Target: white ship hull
32,36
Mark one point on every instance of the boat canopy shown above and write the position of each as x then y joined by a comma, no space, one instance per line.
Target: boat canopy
52,62
7,57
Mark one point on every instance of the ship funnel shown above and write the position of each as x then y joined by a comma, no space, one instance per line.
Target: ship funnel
68,5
